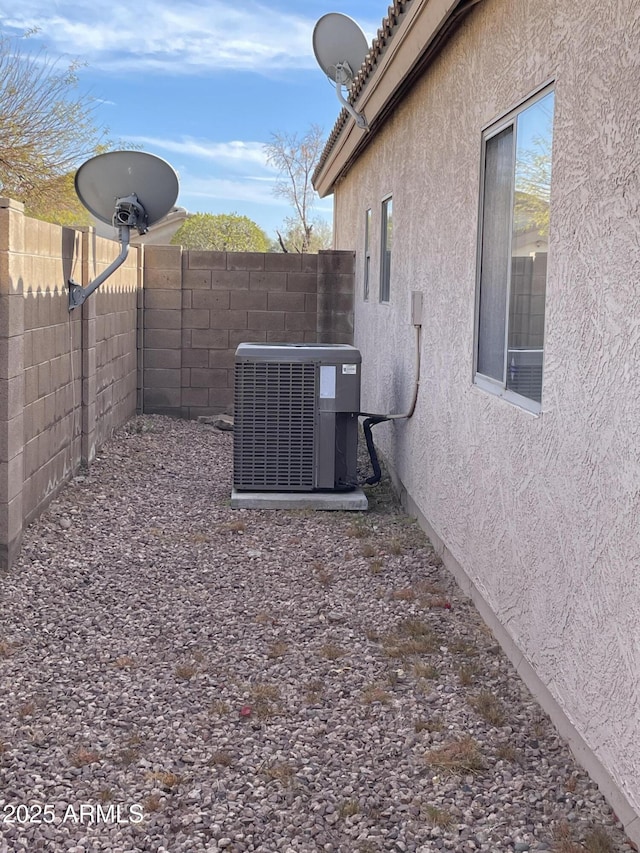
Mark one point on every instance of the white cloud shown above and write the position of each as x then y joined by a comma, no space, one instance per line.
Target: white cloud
237,153
204,193
228,189
160,35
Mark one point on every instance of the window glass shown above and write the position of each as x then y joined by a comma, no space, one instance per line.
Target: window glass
367,252
530,245
496,251
386,243
514,246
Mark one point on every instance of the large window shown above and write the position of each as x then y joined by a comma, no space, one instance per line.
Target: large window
513,251
367,252
385,250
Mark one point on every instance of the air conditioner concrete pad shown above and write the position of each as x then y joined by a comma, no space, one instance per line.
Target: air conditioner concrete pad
355,500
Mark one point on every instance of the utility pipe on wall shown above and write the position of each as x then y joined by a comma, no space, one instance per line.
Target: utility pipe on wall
372,419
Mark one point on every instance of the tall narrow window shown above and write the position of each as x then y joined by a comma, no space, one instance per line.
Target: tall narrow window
367,252
385,250
513,250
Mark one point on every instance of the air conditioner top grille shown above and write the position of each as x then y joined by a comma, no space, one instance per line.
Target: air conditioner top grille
274,422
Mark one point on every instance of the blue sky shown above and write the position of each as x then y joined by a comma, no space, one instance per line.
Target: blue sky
202,84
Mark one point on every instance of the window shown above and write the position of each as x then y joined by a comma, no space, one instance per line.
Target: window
513,251
367,252
385,250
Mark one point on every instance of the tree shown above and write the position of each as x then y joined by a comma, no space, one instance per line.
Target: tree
295,159
222,232
46,127
58,202
321,237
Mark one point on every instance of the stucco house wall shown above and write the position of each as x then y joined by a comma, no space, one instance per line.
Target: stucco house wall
538,514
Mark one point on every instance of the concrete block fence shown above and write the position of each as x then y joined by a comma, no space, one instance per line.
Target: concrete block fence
158,336
198,306
66,379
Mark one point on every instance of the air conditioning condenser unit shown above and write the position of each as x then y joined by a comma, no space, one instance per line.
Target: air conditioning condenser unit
296,417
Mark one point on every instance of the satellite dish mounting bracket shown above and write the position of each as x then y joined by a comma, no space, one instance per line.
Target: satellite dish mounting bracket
129,213
78,294
344,76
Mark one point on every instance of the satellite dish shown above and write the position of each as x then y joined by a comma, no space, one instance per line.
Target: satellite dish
128,189
102,181
340,48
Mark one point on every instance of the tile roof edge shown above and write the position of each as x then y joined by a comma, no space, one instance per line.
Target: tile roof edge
454,12
385,32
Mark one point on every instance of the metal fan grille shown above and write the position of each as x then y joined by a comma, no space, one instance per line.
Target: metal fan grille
274,425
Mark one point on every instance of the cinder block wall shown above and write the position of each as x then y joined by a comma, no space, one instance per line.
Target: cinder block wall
336,294
198,306
160,335
66,379
116,329
51,434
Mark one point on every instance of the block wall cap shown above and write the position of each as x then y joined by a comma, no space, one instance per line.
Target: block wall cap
11,204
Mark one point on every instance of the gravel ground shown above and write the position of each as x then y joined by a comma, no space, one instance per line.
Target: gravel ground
180,676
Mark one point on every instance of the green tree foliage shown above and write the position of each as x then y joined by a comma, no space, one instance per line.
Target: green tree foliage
222,232
295,159
46,129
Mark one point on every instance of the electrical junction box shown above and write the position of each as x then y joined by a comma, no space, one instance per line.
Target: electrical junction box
296,417
416,307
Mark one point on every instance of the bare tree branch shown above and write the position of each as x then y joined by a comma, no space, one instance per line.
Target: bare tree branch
46,127
281,241
295,157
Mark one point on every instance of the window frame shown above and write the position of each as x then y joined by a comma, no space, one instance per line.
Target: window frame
490,131
366,275
385,269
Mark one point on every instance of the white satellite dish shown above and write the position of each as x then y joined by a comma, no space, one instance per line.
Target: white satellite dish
128,189
340,47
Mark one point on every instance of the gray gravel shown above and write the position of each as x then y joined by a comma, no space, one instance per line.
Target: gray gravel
180,676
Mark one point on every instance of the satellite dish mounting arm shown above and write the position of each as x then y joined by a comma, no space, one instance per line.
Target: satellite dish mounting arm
129,213
78,294
344,76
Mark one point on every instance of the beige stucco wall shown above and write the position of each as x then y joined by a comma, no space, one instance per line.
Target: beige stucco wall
541,512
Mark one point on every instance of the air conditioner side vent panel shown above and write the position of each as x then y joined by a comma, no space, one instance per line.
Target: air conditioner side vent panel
274,425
